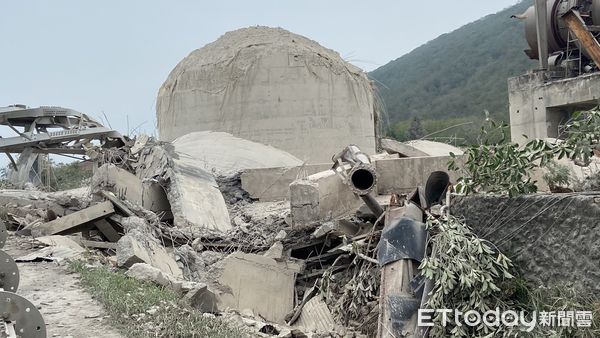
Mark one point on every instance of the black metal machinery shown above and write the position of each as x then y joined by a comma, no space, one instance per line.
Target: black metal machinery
567,54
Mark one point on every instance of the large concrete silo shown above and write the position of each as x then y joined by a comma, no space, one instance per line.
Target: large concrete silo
274,87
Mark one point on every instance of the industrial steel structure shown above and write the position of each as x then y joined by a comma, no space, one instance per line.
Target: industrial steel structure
49,130
564,36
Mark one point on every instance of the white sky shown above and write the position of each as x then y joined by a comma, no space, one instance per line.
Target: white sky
110,57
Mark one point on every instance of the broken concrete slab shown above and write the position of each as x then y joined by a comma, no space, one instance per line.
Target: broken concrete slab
64,241
149,195
59,248
404,150
224,154
321,197
147,273
419,148
273,184
51,254
195,200
259,283
316,317
74,222
131,250
383,156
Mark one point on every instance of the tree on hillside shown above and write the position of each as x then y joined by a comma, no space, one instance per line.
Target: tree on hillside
416,130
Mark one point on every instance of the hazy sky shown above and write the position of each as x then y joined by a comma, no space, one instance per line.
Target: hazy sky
111,56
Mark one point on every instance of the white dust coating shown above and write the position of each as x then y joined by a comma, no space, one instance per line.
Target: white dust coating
274,87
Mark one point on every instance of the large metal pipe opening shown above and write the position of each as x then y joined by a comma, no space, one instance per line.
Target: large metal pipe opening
363,179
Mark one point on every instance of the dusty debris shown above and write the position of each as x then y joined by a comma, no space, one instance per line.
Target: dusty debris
252,257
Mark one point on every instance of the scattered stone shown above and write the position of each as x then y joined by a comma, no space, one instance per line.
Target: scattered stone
131,250
197,245
281,235
202,298
275,251
148,273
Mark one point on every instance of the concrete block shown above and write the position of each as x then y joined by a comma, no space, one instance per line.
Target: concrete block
258,283
273,184
321,197
131,250
405,174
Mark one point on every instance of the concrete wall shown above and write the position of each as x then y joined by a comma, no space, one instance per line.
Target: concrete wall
321,197
553,239
274,87
405,174
538,106
273,184
325,196
399,175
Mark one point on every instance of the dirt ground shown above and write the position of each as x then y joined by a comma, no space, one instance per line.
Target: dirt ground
67,309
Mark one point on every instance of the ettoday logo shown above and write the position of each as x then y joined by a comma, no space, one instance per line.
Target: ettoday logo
506,318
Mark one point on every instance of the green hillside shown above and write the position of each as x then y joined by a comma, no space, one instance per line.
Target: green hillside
455,78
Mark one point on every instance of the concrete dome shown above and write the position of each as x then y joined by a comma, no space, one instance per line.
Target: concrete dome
270,86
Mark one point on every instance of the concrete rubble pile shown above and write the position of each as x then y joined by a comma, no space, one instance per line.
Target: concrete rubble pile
176,214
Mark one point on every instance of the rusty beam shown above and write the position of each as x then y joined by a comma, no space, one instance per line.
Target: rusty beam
577,26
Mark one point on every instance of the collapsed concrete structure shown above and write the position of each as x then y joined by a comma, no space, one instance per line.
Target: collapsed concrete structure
249,206
274,87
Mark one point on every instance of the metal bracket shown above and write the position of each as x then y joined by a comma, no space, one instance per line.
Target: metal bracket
22,314
3,234
9,273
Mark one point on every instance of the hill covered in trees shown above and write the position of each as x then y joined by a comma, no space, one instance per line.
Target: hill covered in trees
455,78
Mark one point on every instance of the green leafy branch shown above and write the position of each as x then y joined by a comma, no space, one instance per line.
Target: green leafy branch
498,166
468,273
